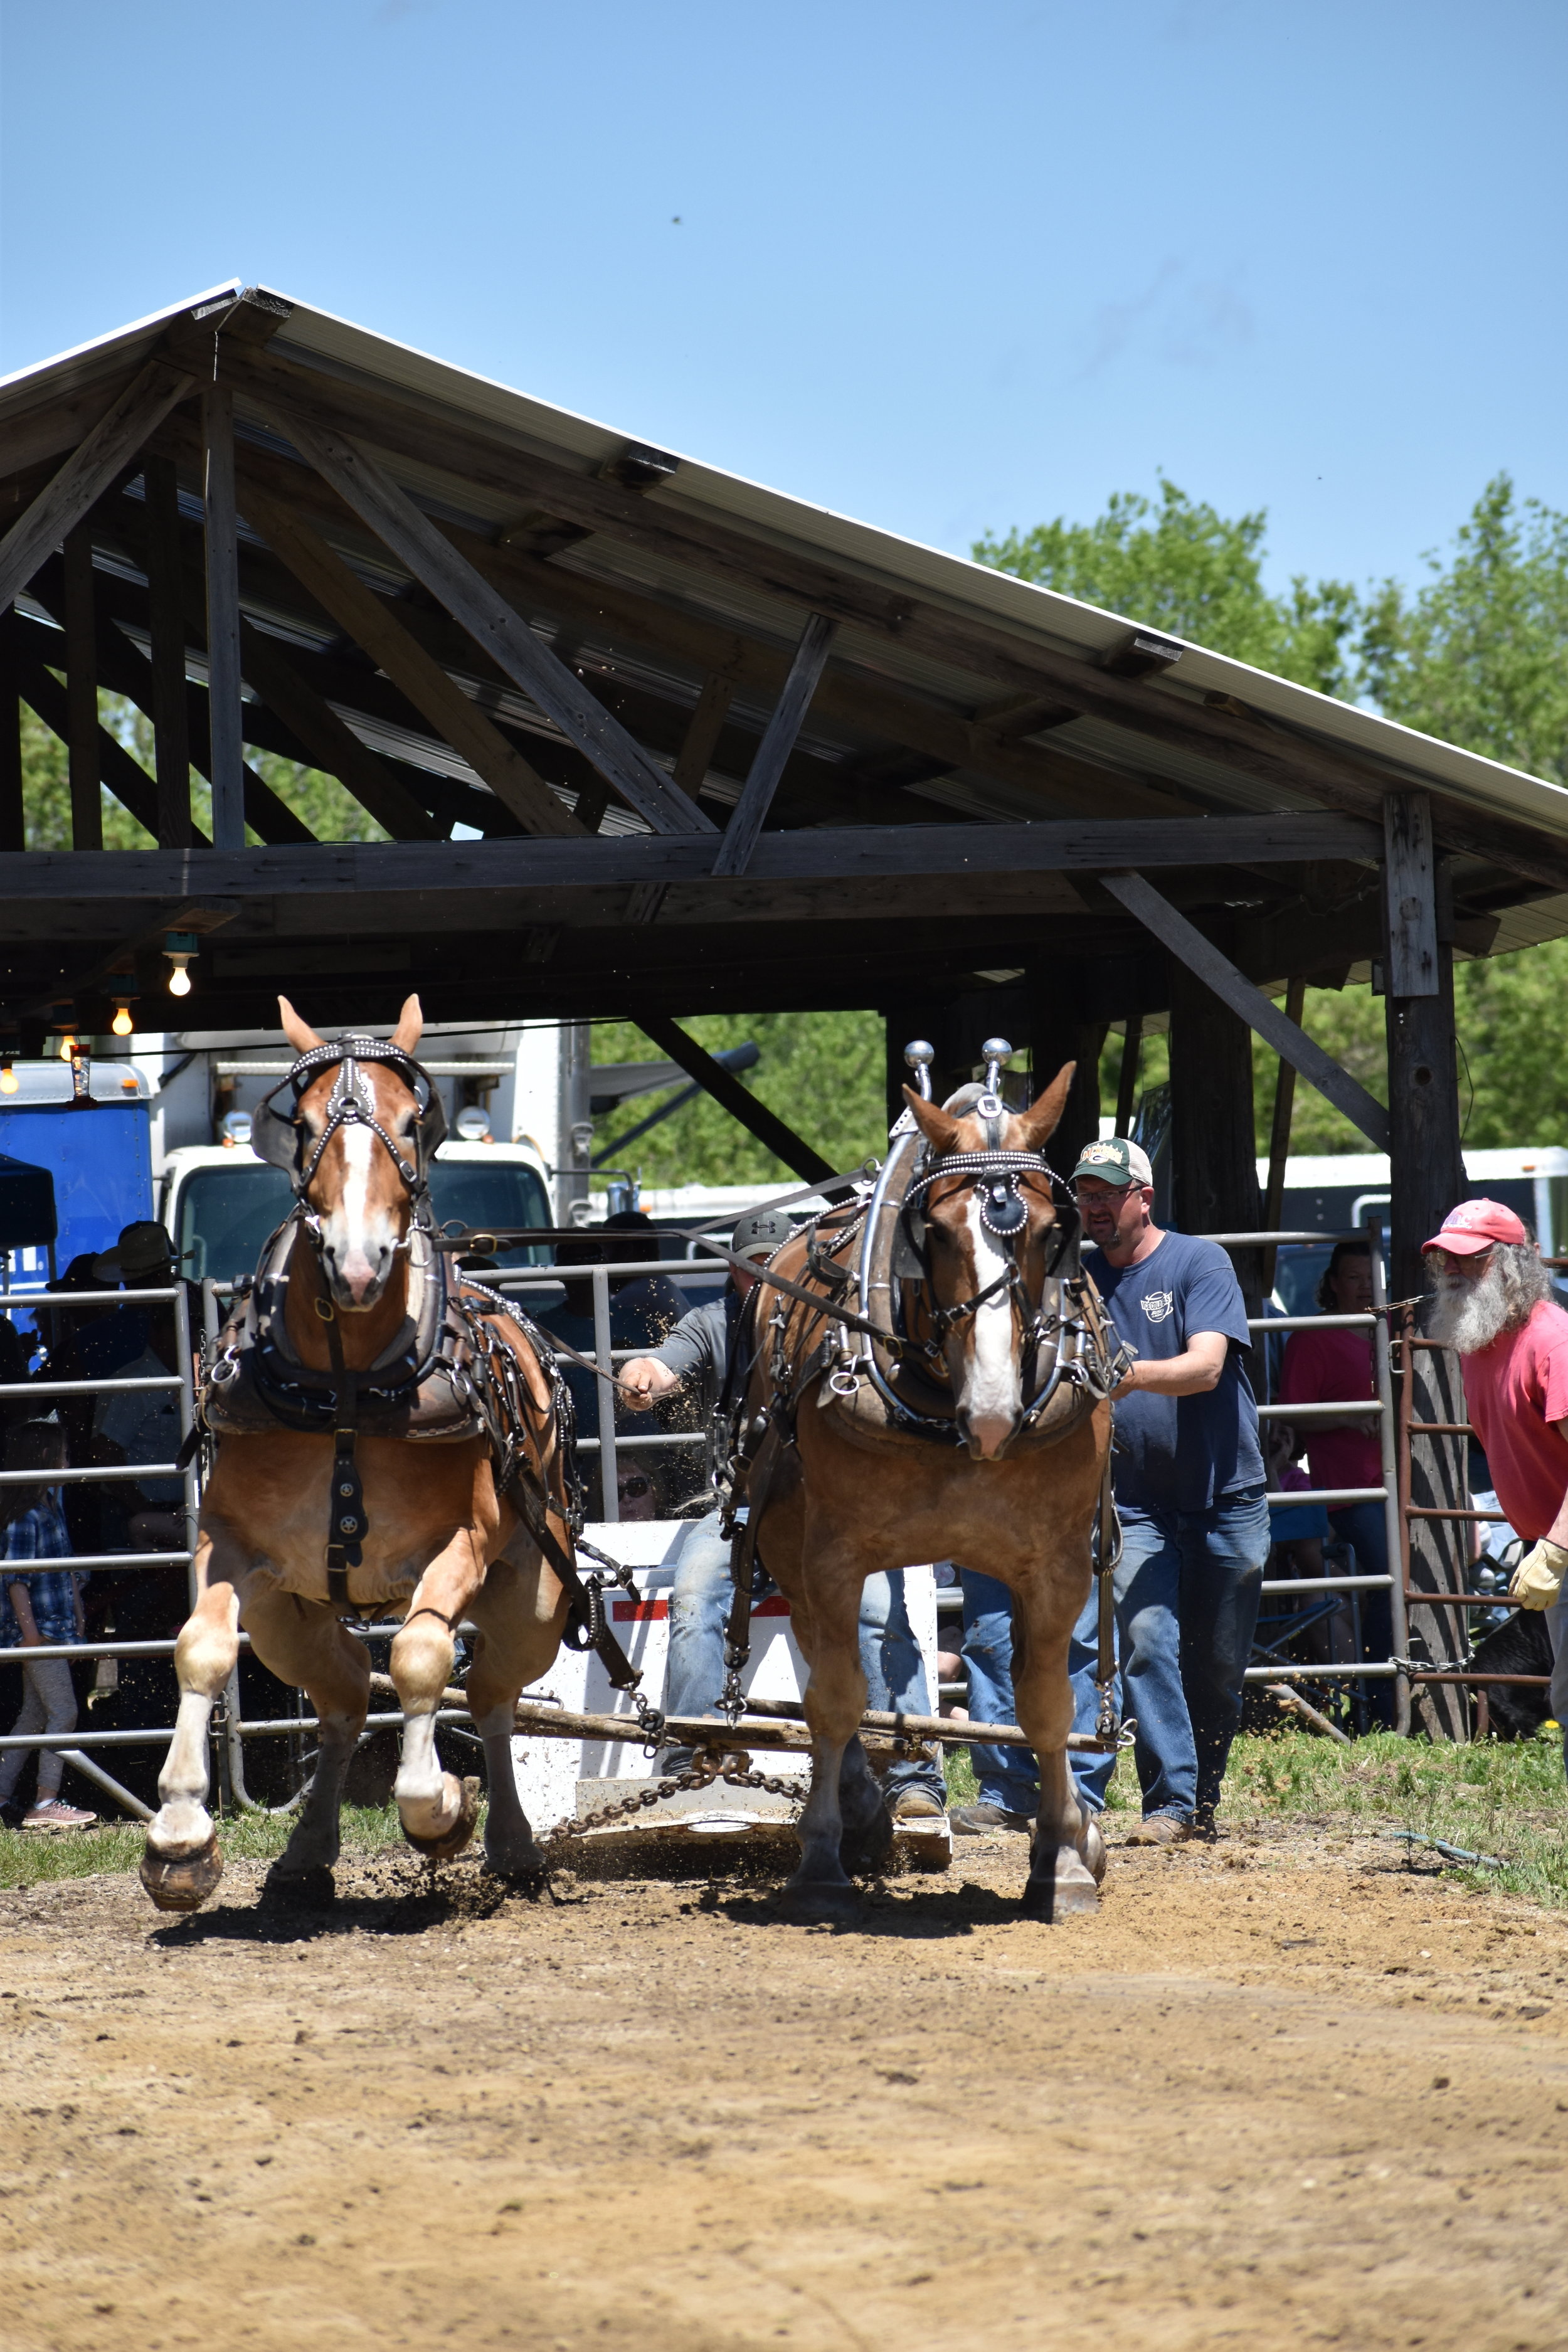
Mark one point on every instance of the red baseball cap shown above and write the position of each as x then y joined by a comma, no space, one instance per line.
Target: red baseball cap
1474,1227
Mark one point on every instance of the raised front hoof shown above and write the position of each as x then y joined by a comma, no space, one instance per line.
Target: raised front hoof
311,1889
1050,1899
450,1840
182,1882
818,1902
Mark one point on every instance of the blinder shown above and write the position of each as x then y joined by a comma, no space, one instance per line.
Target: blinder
281,1138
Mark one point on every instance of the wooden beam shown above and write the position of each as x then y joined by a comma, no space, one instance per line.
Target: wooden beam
370,621
13,810
777,744
1214,1148
1279,1131
132,787
510,644
325,740
1408,869
1200,955
88,473
1127,1077
222,548
82,734
727,1089
166,592
703,730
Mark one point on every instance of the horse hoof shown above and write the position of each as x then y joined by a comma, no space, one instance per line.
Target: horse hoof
816,1902
1050,1899
1095,1852
182,1882
526,1872
450,1841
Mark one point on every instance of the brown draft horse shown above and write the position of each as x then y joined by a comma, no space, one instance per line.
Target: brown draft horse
443,1542
856,1491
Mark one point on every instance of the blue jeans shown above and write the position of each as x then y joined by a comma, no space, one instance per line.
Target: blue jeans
1007,1776
1186,1607
890,1657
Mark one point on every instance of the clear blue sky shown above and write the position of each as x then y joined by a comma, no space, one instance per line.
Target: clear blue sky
944,267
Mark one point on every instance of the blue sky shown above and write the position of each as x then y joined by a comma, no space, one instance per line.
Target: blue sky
941,267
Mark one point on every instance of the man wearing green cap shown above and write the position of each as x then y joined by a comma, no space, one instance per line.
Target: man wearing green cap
1189,1483
697,1355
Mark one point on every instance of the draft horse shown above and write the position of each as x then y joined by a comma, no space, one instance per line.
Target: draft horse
389,1442
931,1381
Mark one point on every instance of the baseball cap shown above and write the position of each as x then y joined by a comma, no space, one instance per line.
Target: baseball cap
1118,1161
759,1233
1474,1227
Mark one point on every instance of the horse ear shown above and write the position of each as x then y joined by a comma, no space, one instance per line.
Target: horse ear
300,1035
1042,1118
938,1126
410,1025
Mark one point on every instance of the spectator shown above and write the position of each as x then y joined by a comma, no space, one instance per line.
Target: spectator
1339,1367
636,1489
1189,1485
39,1607
697,1354
1494,1305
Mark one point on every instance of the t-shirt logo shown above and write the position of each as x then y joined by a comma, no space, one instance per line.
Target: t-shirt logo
1157,1304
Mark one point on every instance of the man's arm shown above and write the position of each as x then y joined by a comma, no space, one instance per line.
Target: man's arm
1189,1374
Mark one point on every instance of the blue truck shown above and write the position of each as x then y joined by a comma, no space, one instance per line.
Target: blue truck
90,1130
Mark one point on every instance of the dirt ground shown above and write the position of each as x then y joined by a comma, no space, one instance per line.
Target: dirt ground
1284,2090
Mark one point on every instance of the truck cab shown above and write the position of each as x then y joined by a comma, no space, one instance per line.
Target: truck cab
220,1202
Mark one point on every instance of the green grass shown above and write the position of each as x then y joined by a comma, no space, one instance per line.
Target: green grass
30,1860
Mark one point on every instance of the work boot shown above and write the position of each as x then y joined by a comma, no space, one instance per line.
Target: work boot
980,1821
916,1804
1161,1828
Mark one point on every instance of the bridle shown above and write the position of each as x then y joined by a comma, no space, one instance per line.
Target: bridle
282,1137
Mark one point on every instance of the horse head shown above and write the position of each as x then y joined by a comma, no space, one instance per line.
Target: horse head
988,1263
359,1122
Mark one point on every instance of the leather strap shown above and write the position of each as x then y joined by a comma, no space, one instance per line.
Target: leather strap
348,1523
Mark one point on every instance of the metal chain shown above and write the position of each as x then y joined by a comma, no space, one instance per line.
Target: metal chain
701,1774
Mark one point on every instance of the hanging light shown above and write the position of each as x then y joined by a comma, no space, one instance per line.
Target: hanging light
121,1024
10,1053
180,947
68,1047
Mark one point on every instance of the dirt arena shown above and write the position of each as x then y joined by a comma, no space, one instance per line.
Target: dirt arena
1280,2092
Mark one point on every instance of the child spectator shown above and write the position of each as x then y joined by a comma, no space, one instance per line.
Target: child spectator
39,1608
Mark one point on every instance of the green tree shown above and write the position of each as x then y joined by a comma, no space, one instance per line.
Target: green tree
1179,565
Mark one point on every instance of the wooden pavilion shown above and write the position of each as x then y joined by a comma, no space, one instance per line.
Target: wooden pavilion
649,740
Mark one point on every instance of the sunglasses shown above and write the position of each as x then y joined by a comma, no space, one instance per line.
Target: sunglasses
633,1489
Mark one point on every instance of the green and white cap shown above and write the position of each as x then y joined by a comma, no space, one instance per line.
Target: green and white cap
1118,1161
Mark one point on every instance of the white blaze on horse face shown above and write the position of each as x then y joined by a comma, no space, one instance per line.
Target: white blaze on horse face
992,1396
358,1239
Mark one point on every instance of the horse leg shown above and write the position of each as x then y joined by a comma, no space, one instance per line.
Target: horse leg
1066,1859
438,1810
181,1864
521,1613
302,1642
828,1628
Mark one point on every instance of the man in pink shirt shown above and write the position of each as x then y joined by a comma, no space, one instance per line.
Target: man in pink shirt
1494,1304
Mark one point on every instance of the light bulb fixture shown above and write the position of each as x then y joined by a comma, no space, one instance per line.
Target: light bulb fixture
9,1081
10,1053
121,1024
68,1047
180,947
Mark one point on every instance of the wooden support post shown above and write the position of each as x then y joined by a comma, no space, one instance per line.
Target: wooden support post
82,737
778,741
703,731
13,815
1279,1132
716,1080
1127,1078
1061,1030
1426,1178
225,731
1213,1161
171,734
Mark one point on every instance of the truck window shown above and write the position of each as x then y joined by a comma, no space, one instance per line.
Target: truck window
227,1214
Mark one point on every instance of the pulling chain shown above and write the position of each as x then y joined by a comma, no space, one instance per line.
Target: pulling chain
711,1765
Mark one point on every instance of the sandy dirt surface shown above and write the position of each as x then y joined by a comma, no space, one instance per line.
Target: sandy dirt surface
1278,2091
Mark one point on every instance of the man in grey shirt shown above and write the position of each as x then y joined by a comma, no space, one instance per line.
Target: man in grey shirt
696,1356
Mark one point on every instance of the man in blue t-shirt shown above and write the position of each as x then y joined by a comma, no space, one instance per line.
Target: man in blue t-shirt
1189,1482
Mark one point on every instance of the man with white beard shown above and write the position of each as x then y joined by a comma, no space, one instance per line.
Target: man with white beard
1494,1304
